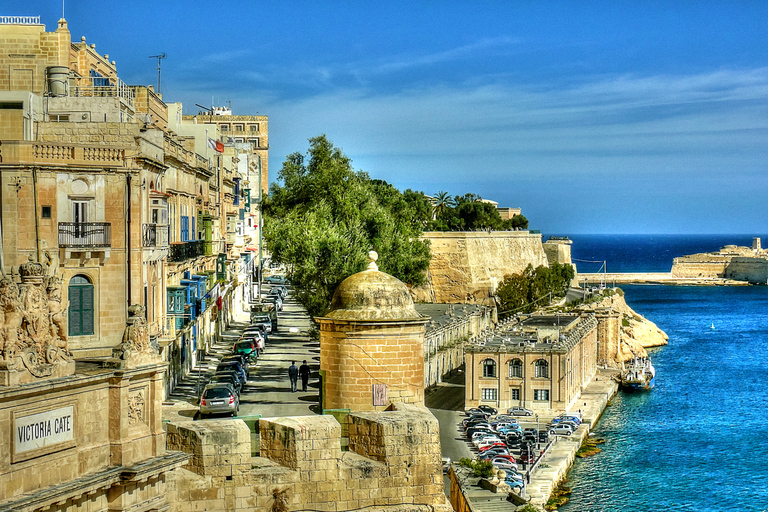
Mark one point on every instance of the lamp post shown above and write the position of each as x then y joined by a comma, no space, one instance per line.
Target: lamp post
537,432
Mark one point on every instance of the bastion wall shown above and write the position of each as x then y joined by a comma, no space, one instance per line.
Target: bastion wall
467,266
393,463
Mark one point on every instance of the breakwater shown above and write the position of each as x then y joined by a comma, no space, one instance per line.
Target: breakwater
610,279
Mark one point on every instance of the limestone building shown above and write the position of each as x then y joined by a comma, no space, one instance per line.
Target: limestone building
371,344
541,363
96,182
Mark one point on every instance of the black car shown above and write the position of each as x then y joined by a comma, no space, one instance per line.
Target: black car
240,358
543,436
235,375
233,366
488,409
227,378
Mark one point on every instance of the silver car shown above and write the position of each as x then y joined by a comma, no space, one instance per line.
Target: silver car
560,430
519,411
219,398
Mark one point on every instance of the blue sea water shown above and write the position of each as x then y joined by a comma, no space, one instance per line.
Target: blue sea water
699,440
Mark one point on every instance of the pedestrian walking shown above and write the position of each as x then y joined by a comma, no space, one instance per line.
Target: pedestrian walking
293,374
304,374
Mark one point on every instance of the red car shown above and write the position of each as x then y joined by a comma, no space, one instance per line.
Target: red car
484,449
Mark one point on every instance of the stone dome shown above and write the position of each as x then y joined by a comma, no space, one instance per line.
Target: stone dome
372,295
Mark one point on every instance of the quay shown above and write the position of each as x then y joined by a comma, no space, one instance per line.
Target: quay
654,278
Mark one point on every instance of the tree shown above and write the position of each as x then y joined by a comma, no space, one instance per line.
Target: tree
325,217
525,291
442,203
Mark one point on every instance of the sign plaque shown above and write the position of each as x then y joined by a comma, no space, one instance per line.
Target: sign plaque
43,430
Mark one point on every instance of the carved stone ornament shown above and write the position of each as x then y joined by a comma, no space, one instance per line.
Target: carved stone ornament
33,320
136,407
135,348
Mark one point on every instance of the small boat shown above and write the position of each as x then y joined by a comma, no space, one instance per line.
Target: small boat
712,326
639,374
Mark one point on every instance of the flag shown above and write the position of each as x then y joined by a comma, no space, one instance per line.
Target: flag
215,145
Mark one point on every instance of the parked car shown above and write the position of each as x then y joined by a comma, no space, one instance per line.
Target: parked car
487,409
479,428
571,424
519,411
495,452
502,463
272,299
240,358
484,446
235,374
516,485
233,366
226,378
543,436
219,399
560,430
246,348
276,279
280,290
256,339
475,411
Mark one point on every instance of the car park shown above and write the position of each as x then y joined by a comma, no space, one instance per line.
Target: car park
219,399
560,430
519,411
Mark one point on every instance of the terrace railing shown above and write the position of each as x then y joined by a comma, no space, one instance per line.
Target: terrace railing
85,234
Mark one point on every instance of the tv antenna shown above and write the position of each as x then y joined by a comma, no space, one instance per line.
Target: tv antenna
159,66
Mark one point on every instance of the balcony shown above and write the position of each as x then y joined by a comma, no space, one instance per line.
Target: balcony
154,235
102,87
182,251
84,235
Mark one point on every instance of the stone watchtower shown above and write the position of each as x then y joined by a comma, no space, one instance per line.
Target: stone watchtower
372,344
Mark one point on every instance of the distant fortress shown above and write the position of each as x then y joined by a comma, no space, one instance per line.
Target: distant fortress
748,264
731,265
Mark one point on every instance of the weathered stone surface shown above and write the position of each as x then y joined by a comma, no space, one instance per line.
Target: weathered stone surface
466,267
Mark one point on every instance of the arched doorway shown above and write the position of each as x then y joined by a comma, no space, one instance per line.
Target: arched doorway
80,294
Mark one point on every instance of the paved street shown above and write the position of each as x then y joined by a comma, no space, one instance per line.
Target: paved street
268,391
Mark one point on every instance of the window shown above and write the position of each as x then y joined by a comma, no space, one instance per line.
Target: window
541,395
59,118
184,228
254,143
80,217
254,128
542,369
514,393
46,212
224,127
238,128
80,292
489,368
516,368
488,393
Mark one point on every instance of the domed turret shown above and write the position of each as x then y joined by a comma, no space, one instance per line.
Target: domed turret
372,295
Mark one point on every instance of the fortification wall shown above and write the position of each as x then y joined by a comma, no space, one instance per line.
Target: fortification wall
752,270
467,266
393,464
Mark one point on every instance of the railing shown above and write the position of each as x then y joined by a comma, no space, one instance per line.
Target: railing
85,234
47,153
20,20
105,87
181,251
154,235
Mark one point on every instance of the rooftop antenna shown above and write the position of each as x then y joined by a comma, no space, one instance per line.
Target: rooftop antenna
62,9
159,59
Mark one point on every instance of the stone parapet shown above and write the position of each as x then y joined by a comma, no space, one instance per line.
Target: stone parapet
393,464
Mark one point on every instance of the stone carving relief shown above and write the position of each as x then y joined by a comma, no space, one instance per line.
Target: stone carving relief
136,407
136,337
33,317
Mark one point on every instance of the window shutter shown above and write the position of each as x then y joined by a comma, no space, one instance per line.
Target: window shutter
75,321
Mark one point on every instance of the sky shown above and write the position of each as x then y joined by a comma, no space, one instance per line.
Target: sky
593,117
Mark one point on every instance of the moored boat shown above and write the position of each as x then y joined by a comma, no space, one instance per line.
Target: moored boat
639,374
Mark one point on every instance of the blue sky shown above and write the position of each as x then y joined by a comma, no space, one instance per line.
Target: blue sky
593,117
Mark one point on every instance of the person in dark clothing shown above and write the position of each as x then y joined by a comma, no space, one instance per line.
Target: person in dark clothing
293,374
304,374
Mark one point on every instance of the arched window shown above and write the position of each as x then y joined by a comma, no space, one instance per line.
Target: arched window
516,368
542,369
80,294
489,368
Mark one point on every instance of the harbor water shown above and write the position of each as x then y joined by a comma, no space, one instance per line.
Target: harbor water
697,441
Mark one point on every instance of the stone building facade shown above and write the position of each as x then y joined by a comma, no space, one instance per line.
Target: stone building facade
541,363
97,181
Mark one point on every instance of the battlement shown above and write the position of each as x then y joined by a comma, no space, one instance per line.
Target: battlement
393,461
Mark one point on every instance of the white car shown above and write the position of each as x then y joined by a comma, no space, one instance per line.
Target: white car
560,430
486,441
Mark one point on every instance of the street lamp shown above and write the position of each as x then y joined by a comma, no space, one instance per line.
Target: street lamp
537,432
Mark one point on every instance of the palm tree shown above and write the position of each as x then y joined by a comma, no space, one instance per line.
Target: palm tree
441,203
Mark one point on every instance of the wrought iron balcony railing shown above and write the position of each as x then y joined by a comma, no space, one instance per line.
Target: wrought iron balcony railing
154,235
85,234
181,251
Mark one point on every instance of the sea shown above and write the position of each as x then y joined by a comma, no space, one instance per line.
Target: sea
699,440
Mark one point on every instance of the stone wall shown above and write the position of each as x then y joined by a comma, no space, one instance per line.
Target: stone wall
466,267
393,464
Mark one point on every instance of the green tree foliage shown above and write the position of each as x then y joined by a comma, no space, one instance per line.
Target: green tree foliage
325,217
525,291
469,213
